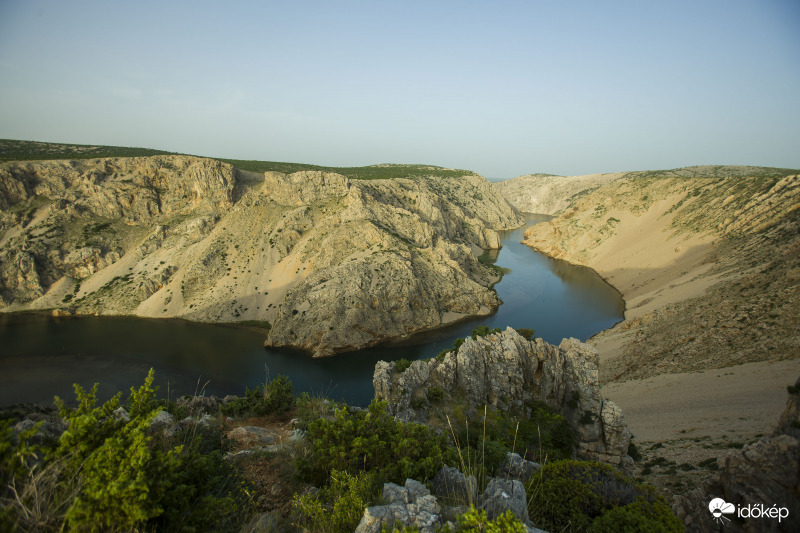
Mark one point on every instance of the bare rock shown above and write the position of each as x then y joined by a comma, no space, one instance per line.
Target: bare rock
503,495
451,485
515,467
251,436
198,405
505,371
410,505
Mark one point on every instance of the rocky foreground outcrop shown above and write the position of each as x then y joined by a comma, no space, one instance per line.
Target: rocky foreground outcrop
505,371
332,264
762,475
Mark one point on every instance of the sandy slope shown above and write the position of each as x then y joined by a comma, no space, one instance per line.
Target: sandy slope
708,271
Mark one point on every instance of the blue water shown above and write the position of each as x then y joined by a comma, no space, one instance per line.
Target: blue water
42,356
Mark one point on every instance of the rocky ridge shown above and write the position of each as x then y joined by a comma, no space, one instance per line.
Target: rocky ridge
705,257
332,264
506,372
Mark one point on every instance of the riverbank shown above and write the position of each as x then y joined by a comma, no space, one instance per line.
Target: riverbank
709,270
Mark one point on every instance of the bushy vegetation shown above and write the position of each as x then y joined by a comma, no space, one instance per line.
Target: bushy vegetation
401,365
112,472
485,441
476,521
385,171
115,469
373,440
338,507
276,398
11,150
570,495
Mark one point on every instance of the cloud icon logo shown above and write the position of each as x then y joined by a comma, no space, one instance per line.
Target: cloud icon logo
719,507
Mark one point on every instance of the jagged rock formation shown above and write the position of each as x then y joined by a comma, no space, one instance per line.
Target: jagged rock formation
506,372
765,473
413,505
409,505
666,240
333,264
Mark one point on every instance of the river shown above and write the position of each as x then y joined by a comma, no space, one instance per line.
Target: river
42,356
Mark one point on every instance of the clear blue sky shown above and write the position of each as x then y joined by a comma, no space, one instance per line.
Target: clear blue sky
503,88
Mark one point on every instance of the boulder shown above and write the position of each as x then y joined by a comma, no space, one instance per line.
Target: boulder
515,467
503,495
198,405
453,486
252,436
163,423
411,505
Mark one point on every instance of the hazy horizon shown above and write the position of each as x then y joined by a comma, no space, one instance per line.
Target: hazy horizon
505,90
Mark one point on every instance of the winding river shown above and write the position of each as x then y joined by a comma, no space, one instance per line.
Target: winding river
42,356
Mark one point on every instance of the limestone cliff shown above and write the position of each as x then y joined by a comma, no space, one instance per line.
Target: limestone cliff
705,258
333,264
506,371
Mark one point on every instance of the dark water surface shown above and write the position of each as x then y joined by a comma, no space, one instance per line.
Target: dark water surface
41,356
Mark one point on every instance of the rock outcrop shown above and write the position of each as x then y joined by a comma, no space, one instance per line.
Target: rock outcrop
413,505
505,371
762,475
409,505
333,264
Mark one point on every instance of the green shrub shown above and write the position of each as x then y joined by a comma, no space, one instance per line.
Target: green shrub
339,506
526,333
634,452
418,402
113,474
373,440
401,365
435,394
275,399
476,521
637,517
568,495
483,331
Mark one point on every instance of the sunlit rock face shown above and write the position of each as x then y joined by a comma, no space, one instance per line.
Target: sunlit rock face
507,372
333,264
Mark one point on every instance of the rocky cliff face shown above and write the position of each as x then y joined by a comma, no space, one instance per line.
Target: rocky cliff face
333,264
506,371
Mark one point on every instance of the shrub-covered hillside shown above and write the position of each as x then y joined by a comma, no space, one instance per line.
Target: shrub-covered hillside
270,461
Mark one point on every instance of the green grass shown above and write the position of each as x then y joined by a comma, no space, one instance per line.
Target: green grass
13,150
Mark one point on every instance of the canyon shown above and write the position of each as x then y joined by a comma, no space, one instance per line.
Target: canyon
331,264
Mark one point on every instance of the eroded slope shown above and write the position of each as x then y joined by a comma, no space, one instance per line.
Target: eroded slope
705,257
333,264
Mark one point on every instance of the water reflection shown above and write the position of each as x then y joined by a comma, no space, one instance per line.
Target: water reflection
42,356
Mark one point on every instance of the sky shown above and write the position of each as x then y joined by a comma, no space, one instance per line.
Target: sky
503,88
